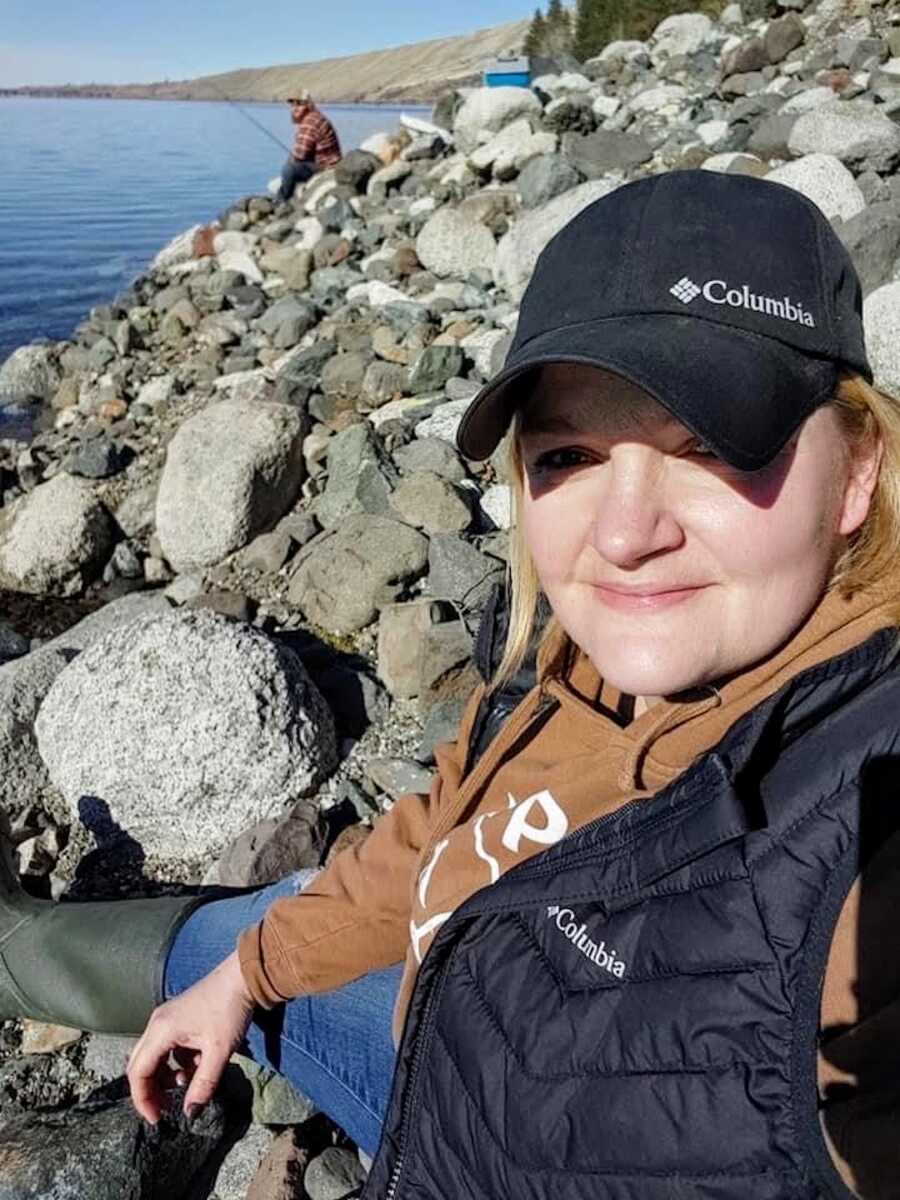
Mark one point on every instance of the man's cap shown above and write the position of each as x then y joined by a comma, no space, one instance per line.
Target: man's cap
727,298
301,96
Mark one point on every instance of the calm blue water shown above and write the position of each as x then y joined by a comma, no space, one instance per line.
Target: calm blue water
90,190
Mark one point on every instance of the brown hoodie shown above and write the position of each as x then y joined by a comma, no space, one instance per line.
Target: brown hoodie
540,779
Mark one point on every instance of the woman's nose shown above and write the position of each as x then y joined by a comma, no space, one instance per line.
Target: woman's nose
634,518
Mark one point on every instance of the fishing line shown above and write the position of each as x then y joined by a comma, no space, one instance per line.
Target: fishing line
253,121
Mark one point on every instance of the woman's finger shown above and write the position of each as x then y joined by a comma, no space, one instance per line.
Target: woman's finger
213,1060
147,1060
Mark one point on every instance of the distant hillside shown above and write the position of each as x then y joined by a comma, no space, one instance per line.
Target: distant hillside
415,72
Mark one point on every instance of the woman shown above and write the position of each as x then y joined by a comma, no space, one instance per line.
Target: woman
637,916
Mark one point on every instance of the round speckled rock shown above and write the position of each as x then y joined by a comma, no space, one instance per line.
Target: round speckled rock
184,729
54,539
825,180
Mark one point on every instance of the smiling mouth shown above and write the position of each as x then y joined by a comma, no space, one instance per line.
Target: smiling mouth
646,598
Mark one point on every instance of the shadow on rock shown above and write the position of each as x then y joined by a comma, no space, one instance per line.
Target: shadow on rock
115,867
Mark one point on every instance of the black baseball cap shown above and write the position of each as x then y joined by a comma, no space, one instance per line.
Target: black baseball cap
727,298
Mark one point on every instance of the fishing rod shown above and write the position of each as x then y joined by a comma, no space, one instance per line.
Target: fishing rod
251,119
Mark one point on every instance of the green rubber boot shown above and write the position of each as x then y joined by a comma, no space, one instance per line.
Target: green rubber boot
96,965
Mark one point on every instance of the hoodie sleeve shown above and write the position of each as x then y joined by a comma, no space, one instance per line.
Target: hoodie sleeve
354,916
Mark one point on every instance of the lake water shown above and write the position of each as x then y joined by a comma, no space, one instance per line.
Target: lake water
92,189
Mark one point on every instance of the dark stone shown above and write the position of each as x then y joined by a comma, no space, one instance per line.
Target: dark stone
334,216
434,366
273,848
227,604
857,53
288,310
342,376
248,301
782,36
102,353
335,1173
546,176
431,454
445,109
356,699
459,572
103,1150
755,108
441,725
599,153
329,284
355,168
750,55
304,369
873,239
744,85
570,114
756,10
97,459
770,139
12,644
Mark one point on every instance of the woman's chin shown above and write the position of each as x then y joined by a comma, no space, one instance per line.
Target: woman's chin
657,671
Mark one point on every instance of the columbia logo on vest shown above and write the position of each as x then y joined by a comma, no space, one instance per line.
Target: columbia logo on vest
598,953
717,291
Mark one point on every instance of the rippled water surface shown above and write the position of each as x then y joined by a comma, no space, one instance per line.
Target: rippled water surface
91,189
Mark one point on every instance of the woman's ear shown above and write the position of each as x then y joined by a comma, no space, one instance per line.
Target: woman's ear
865,464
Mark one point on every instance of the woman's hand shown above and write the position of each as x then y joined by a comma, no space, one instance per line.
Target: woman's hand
200,1028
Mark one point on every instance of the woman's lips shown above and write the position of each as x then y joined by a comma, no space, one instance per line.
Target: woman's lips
640,600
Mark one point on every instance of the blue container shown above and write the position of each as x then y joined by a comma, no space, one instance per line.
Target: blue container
507,71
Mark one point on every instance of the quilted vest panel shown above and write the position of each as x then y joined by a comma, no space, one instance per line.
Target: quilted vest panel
633,1014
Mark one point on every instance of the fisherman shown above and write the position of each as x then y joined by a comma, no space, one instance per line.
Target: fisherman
316,144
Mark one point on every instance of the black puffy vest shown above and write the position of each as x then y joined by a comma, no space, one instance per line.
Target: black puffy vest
633,1014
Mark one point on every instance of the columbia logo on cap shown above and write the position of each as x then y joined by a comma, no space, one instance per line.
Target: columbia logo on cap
685,290
717,291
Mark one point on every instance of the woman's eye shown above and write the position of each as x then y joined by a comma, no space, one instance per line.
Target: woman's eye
559,460
701,449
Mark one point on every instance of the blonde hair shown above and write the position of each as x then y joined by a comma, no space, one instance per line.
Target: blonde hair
865,412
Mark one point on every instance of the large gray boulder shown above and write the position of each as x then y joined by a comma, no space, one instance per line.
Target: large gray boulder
458,571
488,110
544,177
881,315
853,131
597,154
187,728
343,579
23,685
231,471
684,33
520,247
825,180
56,539
30,373
455,243
25,681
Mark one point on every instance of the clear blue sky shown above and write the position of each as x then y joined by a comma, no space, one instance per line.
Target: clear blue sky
140,41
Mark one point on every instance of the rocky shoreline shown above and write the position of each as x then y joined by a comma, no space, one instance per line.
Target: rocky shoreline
244,537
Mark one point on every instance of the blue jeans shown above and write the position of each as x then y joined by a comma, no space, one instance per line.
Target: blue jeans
335,1048
292,173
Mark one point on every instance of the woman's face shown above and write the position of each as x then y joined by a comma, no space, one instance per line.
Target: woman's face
669,568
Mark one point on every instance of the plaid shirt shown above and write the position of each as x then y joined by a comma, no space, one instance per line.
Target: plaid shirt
315,141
